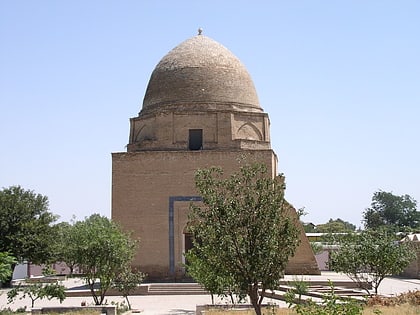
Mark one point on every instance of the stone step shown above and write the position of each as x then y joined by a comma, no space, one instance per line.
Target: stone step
176,289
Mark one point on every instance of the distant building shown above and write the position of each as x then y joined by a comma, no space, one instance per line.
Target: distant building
28,270
323,256
200,109
413,269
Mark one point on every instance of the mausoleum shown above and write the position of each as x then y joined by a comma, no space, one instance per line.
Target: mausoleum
200,110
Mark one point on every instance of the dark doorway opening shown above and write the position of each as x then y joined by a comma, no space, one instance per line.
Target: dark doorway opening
188,245
188,238
195,140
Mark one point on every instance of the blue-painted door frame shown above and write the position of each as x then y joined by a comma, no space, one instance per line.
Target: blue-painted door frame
172,200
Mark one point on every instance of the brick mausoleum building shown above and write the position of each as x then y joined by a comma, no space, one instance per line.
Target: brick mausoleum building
200,110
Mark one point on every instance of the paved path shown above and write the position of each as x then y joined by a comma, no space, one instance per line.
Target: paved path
186,304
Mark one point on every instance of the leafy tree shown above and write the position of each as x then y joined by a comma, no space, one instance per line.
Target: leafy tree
399,213
309,227
37,291
245,224
127,281
371,256
6,263
67,245
332,226
338,238
103,251
336,226
26,230
214,278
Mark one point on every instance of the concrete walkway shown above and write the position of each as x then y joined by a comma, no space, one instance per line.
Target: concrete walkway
186,304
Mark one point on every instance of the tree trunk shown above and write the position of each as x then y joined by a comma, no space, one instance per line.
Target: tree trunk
253,296
377,283
95,297
128,302
93,293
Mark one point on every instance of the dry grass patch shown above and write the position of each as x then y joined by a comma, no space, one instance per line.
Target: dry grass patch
278,311
407,303
410,297
81,312
405,309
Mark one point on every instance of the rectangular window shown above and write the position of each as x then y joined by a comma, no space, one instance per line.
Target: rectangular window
195,140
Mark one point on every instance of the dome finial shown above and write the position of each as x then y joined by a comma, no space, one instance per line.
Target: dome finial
200,31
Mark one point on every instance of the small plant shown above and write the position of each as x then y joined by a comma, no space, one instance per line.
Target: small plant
299,288
48,271
127,282
272,309
121,307
331,304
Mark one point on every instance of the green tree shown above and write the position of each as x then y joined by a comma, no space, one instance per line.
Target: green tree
214,278
245,224
309,227
127,281
103,251
26,230
398,213
38,291
371,256
335,226
6,263
67,245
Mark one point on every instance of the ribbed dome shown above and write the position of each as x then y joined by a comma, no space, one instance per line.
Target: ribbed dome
199,73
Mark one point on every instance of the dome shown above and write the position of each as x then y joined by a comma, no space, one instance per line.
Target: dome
201,74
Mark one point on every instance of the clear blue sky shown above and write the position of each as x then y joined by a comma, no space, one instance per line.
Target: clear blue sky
340,81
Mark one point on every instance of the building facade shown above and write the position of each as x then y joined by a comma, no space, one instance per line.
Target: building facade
200,110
